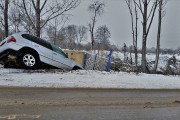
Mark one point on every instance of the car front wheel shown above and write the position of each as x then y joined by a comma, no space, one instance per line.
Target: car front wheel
28,60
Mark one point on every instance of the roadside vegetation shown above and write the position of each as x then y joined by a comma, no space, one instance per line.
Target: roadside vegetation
50,18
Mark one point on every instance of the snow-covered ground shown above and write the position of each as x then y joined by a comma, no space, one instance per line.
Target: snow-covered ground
150,57
86,79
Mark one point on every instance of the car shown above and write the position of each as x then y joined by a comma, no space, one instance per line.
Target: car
28,51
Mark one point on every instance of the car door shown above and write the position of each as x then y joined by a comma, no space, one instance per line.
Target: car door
42,47
60,58
46,53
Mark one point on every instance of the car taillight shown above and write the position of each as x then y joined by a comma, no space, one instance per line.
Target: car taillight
11,40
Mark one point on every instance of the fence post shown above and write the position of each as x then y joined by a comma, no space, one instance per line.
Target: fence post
109,61
95,57
85,60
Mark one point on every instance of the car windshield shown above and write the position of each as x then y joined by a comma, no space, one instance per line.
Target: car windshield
58,50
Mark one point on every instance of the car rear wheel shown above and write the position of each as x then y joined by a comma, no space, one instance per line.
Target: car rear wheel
28,60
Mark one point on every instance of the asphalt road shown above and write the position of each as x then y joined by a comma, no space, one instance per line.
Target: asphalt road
88,104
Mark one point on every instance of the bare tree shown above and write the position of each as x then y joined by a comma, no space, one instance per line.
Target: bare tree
161,15
97,9
81,34
147,19
69,33
132,6
178,51
102,36
70,37
4,6
54,27
15,17
44,11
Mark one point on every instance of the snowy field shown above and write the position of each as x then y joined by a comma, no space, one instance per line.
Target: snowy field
86,79
163,58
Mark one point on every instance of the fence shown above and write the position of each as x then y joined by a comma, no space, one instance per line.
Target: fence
97,62
105,61
101,60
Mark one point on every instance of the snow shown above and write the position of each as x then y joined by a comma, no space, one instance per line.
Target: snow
163,58
86,79
91,79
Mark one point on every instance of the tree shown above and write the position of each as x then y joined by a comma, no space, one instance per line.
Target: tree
40,12
97,9
15,17
69,33
147,19
81,34
102,36
160,16
178,51
54,27
132,6
74,35
4,6
125,53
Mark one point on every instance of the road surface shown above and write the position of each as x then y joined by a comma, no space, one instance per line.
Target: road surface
88,104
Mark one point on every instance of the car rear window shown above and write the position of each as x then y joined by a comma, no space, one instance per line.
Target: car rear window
37,40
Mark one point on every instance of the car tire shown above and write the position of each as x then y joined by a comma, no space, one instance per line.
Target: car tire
28,61
76,68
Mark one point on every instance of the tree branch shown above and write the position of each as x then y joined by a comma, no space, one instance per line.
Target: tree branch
152,17
139,6
57,13
34,5
28,15
43,5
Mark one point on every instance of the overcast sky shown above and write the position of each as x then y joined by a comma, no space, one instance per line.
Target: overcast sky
117,18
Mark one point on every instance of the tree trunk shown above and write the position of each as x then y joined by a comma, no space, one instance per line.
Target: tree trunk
158,36
92,40
38,19
92,30
6,27
144,37
134,28
125,57
131,55
136,33
144,54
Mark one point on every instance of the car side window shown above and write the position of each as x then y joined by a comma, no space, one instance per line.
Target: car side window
58,50
37,40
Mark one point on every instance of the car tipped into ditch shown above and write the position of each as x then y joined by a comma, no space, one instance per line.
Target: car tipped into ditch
30,52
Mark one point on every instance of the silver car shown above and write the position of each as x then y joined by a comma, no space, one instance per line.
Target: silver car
27,51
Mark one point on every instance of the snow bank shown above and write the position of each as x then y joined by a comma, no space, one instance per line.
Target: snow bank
86,79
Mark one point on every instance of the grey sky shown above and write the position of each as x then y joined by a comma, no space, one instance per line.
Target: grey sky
117,18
